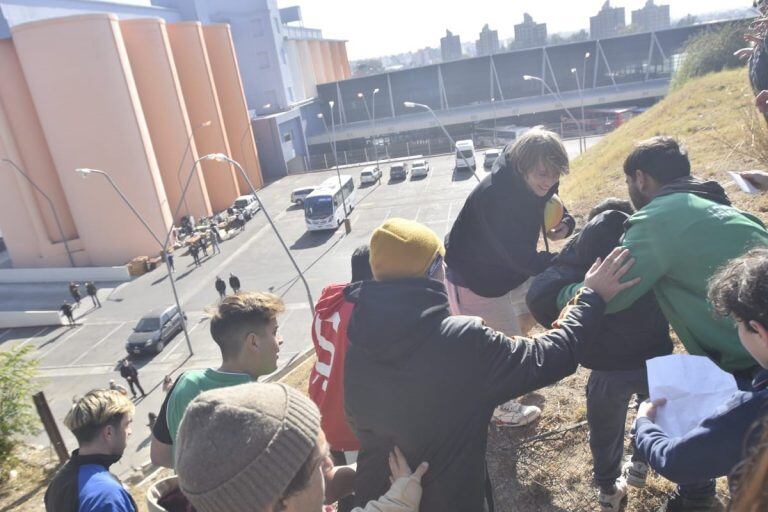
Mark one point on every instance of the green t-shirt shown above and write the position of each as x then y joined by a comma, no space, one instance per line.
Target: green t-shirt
186,389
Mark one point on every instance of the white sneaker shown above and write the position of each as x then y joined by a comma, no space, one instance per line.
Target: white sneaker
515,414
612,502
635,473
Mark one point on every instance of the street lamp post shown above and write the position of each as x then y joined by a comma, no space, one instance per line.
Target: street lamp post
184,156
493,106
50,204
557,96
84,172
219,157
411,104
580,87
372,119
347,223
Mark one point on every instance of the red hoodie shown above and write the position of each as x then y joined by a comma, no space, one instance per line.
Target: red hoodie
326,382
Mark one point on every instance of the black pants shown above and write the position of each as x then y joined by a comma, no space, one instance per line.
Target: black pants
95,300
608,396
138,385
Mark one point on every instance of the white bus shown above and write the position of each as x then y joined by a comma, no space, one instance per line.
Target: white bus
465,155
324,207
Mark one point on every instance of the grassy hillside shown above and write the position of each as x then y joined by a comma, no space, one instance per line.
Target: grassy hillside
712,116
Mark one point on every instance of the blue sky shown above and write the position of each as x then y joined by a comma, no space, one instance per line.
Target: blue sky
375,28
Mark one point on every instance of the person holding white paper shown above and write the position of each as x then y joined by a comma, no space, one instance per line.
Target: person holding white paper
717,445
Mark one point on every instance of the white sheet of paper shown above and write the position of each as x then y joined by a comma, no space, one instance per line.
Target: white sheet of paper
694,388
742,183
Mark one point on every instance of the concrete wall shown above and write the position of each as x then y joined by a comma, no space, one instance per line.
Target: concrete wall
64,275
234,110
201,97
307,68
9,319
149,52
84,93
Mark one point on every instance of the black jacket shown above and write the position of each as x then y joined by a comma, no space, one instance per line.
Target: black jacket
129,372
234,282
62,494
491,248
428,383
627,338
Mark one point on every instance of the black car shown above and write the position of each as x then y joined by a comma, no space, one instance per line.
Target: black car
398,171
154,331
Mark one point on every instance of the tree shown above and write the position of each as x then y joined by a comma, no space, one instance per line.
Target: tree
17,415
710,51
687,21
367,67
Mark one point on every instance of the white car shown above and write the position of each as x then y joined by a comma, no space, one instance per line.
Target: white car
370,174
490,157
247,203
419,169
298,195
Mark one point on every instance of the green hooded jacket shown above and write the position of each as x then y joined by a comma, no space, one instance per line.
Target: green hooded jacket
678,241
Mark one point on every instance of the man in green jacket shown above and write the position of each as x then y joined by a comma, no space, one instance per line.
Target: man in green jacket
683,231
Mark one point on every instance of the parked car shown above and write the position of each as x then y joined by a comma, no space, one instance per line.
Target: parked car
490,157
299,194
419,169
154,331
398,171
370,174
248,204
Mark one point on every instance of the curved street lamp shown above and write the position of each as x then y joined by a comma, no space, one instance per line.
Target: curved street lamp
50,204
411,104
558,97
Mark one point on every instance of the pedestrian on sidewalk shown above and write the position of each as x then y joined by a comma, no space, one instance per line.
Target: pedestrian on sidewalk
131,374
221,287
203,245
193,251
66,310
234,282
169,259
92,291
75,292
214,238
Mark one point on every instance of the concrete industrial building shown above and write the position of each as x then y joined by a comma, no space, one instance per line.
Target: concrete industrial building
129,97
141,90
450,46
529,34
488,43
608,22
651,17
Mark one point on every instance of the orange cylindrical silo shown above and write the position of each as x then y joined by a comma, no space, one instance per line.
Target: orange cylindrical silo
316,52
85,96
234,109
199,89
335,60
346,72
154,71
35,159
325,47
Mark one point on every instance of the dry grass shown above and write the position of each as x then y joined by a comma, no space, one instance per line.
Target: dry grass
709,115
25,492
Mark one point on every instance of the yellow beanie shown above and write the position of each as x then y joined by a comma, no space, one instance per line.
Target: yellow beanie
403,248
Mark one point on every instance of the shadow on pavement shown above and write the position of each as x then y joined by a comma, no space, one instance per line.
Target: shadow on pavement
311,239
461,175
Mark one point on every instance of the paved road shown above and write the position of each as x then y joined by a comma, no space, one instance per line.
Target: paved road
74,360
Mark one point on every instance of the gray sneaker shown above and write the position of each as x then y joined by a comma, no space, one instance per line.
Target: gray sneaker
612,502
515,414
635,472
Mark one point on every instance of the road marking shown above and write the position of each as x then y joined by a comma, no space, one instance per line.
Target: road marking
6,333
418,211
33,337
65,338
97,343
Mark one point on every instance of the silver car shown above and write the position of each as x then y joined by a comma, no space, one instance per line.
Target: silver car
419,169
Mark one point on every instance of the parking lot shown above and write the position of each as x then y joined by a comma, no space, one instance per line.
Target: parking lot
74,360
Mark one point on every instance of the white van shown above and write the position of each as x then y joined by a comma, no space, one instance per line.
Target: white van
465,155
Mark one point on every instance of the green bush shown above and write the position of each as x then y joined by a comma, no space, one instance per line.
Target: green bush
710,51
17,416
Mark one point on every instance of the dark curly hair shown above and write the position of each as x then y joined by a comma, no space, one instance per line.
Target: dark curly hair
740,288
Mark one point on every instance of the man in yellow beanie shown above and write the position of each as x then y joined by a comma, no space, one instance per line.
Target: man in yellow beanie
428,382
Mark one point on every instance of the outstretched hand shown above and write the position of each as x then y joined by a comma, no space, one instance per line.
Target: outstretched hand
398,465
605,275
648,409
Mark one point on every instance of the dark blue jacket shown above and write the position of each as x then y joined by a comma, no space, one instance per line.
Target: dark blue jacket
713,448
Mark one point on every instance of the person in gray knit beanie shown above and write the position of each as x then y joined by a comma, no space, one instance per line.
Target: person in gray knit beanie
259,448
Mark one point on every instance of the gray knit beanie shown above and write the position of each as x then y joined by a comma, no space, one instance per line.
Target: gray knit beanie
239,447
